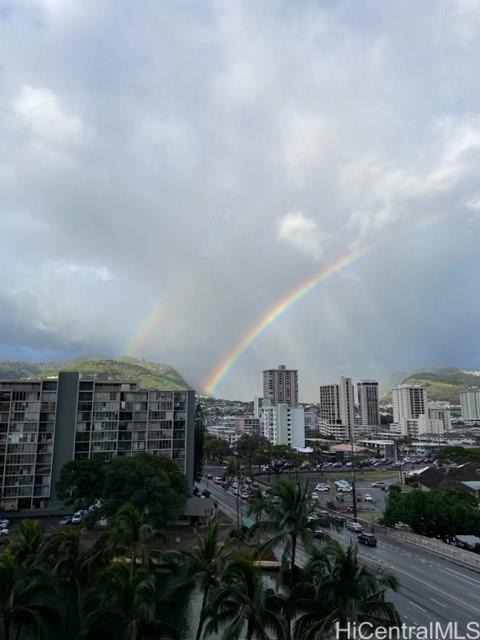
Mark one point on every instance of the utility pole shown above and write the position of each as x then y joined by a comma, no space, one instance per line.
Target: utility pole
354,486
237,475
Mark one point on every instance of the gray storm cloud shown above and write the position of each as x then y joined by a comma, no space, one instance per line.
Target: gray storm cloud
169,170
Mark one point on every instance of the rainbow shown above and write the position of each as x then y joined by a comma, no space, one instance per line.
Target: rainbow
284,303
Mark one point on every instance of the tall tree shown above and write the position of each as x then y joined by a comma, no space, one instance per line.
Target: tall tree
81,482
287,519
203,566
216,449
199,451
27,541
127,607
335,589
242,607
248,447
74,571
146,481
23,598
133,534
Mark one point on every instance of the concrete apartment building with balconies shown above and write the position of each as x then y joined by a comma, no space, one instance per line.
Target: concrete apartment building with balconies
46,423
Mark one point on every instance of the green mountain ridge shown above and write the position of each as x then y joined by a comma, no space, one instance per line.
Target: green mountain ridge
442,383
149,375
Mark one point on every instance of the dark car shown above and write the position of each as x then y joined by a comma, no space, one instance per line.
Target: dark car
367,538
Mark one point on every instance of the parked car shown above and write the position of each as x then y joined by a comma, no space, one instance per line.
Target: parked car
345,489
379,484
65,520
354,526
76,519
367,538
4,531
368,498
314,496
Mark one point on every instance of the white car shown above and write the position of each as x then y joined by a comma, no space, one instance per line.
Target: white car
368,498
314,496
4,531
344,489
322,487
354,526
77,517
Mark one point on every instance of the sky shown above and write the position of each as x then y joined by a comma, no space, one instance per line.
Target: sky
170,170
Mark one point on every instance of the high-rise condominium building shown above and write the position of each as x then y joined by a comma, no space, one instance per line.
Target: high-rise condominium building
337,409
470,404
280,386
44,424
367,394
409,403
329,410
282,424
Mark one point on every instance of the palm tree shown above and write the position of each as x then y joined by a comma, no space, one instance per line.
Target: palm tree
203,566
286,520
74,571
336,589
27,541
242,607
133,534
127,607
22,598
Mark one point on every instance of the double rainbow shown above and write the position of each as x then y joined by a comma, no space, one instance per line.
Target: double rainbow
294,295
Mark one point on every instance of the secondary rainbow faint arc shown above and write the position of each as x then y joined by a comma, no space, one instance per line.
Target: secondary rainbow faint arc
285,302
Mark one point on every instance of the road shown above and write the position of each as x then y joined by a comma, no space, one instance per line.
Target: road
431,589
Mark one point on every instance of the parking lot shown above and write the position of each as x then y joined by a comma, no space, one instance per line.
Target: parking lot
344,500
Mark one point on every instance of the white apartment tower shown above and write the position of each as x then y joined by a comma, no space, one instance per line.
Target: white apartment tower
337,410
280,386
409,403
281,424
470,404
367,394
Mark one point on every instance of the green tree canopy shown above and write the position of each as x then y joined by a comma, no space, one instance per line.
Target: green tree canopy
458,454
248,447
441,513
144,480
147,482
81,481
216,449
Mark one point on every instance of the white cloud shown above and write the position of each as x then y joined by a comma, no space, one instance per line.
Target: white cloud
301,233
39,109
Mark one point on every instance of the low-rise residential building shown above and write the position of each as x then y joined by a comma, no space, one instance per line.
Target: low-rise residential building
465,476
226,432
